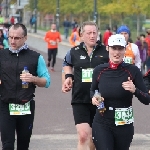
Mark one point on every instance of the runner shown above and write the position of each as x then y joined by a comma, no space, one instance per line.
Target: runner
52,38
117,82
17,102
74,39
80,61
132,54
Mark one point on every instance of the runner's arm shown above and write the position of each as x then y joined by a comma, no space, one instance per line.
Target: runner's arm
67,64
94,85
137,56
141,91
43,77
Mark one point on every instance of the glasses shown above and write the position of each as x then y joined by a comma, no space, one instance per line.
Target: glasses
15,38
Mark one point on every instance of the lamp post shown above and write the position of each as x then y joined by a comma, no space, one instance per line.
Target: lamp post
95,11
57,15
35,11
6,8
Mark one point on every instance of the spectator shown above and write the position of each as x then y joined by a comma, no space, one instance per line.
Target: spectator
143,48
12,20
106,36
74,24
66,25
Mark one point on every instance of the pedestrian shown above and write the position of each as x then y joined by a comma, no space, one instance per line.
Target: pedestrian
17,103
3,41
78,67
32,22
67,26
143,48
114,29
147,40
106,36
117,82
99,37
52,38
12,20
74,24
132,54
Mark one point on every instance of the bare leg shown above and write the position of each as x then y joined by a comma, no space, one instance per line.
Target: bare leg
84,137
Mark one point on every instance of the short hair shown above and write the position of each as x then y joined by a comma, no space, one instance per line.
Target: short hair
18,25
88,23
79,31
142,35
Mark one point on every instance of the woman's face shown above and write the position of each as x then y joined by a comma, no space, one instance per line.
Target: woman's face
116,53
142,38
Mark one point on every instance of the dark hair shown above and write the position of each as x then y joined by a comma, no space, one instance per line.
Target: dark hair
18,25
2,33
142,35
79,31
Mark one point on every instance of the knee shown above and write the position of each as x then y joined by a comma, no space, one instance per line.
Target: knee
83,137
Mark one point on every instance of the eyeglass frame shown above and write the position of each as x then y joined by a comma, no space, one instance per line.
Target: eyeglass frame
15,38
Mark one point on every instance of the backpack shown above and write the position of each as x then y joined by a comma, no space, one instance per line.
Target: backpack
147,40
33,20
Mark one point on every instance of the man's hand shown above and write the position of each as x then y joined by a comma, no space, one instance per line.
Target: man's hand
27,77
67,85
128,85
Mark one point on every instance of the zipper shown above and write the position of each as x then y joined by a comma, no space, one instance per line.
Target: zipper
17,76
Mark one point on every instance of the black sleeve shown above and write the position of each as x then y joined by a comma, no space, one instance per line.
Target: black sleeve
147,81
94,85
141,91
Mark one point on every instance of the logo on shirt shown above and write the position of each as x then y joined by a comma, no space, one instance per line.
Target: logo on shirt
77,48
82,57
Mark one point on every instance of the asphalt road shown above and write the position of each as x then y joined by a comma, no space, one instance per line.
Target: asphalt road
54,125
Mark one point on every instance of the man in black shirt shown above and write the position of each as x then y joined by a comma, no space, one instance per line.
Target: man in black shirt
83,59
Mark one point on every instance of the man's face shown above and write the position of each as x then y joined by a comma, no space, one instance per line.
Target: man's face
16,38
126,35
89,35
53,26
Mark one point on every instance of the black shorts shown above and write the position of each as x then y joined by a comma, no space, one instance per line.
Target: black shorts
84,113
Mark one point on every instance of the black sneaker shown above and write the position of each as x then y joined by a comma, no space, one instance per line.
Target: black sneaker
48,64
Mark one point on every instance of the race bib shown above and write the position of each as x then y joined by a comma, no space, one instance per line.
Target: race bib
53,42
128,60
87,75
124,116
17,109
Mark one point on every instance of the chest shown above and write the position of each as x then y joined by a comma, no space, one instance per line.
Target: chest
81,59
110,84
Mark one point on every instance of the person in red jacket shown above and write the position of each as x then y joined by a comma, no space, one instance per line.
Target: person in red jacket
52,38
106,36
12,20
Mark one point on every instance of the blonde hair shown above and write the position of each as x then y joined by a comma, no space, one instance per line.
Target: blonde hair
91,23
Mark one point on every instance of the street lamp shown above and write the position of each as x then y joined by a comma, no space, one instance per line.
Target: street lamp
57,15
95,11
35,13
6,8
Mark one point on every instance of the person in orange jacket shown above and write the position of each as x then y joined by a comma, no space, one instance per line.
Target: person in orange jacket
52,38
74,39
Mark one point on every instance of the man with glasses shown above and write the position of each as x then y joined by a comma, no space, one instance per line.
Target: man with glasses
17,103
